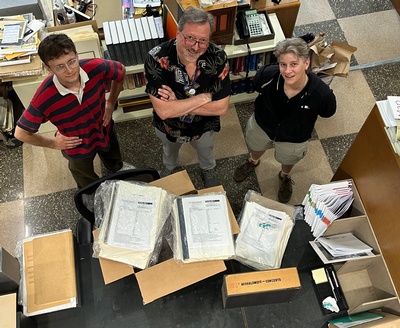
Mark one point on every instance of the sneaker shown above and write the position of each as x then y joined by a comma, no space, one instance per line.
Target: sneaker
209,178
244,170
285,188
164,173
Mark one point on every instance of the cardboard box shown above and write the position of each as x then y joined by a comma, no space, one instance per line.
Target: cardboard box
160,280
260,287
9,272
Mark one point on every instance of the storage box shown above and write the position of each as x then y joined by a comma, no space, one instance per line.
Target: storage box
260,287
160,280
9,272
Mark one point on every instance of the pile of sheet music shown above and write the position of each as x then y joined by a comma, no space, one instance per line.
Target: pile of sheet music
19,41
390,113
263,237
133,221
325,203
202,229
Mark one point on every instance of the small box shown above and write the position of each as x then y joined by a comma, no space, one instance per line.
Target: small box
260,287
9,272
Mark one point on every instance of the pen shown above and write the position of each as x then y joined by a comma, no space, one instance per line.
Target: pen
336,282
331,283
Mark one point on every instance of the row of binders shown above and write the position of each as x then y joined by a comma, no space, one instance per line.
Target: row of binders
128,41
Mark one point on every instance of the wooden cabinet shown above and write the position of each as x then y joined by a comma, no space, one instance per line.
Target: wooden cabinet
375,169
287,12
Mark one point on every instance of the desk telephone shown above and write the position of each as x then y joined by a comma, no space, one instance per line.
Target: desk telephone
250,24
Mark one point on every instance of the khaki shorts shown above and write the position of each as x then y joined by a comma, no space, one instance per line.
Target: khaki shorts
286,153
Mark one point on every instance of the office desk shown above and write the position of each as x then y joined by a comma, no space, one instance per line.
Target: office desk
200,305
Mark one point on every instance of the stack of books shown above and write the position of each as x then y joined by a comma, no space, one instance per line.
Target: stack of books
325,203
19,42
128,41
390,113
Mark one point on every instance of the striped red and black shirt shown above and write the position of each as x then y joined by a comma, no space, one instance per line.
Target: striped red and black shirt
70,117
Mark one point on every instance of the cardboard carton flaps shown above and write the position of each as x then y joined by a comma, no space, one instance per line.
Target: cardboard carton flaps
330,59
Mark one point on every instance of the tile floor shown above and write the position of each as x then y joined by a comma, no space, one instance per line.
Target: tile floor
36,191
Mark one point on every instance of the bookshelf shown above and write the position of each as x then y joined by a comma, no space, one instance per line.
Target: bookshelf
26,88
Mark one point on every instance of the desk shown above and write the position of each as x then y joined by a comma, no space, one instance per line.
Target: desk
120,304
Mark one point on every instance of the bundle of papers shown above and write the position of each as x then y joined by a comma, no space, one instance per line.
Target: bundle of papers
263,236
325,203
19,41
132,224
202,228
48,280
390,113
341,247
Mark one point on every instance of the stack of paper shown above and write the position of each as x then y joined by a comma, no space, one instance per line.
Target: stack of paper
131,229
18,43
263,236
325,203
341,247
202,228
390,113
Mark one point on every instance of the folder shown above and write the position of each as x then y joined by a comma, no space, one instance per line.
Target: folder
124,46
135,40
115,41
153,31
129,42
147,34
108,41
142,40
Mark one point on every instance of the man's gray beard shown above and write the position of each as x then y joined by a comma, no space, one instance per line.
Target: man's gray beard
191,58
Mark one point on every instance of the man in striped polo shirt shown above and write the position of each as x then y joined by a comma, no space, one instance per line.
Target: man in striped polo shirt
73,98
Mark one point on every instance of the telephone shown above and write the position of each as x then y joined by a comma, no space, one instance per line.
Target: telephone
250,23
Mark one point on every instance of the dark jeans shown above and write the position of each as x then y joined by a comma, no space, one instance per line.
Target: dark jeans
82,169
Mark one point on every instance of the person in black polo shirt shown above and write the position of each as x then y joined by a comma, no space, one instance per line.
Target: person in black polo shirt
285,112
189,87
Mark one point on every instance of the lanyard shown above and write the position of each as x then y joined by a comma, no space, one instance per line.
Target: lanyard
189,88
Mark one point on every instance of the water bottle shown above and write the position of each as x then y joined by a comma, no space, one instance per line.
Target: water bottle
70,16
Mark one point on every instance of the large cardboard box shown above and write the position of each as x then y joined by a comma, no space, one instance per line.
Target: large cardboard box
260,287
160,280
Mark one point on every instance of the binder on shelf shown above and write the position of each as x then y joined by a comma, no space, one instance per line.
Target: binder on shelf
153,31
129,42
135,40
147,34
108,41
159,26
142,40
124,46
115,41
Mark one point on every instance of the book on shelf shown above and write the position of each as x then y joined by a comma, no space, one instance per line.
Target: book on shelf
108,41
115,41
135,40
129,42
155,40
142,41
147,34
126,59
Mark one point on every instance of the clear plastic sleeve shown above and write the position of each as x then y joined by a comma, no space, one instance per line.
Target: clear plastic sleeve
201,228
131,218
263,235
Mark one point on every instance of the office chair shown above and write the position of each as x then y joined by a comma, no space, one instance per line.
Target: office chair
85,224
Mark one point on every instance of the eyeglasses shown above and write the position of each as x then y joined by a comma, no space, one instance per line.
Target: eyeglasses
191,41
72,63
